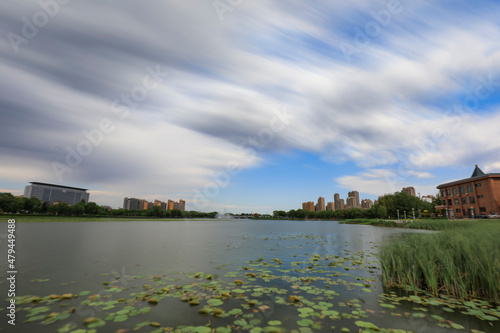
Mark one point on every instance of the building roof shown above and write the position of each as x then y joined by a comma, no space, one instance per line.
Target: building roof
477,174
59,186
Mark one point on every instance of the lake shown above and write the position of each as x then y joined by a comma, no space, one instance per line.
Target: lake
214,276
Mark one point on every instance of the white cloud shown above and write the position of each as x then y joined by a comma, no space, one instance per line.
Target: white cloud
225,79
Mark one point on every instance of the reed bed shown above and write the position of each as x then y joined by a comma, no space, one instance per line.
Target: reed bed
462,260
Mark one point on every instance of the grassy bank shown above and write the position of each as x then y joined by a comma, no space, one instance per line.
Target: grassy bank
463,260
426,224
45,218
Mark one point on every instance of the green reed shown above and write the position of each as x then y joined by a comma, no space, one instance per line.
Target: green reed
462,260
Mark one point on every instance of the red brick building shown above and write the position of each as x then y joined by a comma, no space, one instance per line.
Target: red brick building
478,195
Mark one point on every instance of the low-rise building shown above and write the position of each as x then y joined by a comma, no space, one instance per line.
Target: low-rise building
473,196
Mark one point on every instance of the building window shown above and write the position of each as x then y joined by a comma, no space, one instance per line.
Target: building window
457,210
449,202
464,200
448,192
469,188
480,196
442,193
455,191
478,185
482,209
472,200
456,202
462,189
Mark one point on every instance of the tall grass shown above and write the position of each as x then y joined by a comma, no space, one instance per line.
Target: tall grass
463,260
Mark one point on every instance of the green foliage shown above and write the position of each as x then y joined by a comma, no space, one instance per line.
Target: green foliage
461,260
91,208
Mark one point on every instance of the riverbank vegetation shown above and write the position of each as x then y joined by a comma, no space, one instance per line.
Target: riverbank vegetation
21,206
387,206
462,260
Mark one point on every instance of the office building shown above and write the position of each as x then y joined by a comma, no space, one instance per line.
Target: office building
330,206
56,193
476,195
131,203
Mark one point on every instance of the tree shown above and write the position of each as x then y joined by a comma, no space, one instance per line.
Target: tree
379,211
177,212
53,209
43,207
17,205
279,214
77,210
211,215
157,211
311,215
64,208
301,213
91,208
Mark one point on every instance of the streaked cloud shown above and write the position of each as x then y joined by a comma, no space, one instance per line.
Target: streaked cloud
391,108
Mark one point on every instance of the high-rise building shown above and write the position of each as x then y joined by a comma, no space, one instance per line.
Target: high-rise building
342,204
131,204
330,206
170,204
336,201
309,206
410,190
143,204
182,205
320,206
366,204
56,193
354,201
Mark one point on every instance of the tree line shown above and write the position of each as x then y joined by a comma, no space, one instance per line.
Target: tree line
386,207
13,205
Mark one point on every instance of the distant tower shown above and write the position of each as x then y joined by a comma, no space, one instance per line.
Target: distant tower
354,202
320,206
410,190
336,201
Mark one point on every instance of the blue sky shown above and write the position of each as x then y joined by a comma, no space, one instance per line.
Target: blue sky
254,107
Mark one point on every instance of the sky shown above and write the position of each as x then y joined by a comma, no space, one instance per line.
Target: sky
247,106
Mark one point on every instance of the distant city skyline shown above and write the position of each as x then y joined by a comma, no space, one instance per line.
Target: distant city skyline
264,108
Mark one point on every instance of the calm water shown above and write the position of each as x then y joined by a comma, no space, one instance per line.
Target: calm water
59,258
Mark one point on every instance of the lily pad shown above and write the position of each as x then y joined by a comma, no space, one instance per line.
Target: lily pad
366,324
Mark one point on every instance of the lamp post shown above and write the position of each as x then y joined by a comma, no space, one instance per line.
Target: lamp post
413,211
472,211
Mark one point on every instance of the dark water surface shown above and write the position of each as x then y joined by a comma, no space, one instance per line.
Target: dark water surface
287,258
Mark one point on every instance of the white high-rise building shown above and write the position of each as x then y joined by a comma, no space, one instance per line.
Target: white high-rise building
56,193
